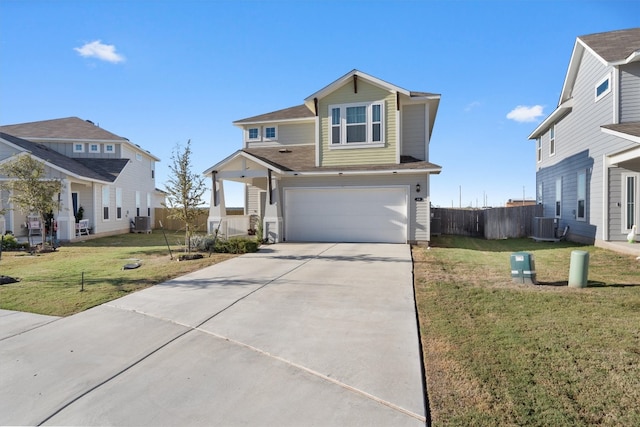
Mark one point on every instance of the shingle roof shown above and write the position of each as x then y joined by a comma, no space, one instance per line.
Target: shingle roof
631,128
301,158
67,128
297,112
614,45
95,169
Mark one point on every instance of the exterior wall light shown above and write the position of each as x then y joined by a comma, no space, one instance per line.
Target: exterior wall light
417,187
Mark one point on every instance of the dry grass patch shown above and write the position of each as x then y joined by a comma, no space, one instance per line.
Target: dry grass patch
51,283
499,353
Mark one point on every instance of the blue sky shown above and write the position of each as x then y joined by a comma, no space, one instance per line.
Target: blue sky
163,72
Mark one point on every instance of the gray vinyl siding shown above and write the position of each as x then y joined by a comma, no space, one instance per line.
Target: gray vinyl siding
6,151
615,204
66,148
630,92
418,220
414,140
581,145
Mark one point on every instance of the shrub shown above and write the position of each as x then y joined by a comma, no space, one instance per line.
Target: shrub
236,245
10,243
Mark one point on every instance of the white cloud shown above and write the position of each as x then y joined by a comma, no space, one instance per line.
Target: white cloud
96,49
472,106
523,113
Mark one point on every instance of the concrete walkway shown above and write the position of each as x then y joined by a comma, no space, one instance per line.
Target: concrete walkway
294,335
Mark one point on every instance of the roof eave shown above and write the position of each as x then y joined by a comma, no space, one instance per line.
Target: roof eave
559,112
242,123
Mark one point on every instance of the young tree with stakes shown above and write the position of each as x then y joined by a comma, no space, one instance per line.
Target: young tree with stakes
29,189
185,190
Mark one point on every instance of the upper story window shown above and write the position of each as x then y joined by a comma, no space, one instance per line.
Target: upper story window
603,87
139,157
78,147
94,148
253,134
356,124
270,133
109,148
539,149
552,140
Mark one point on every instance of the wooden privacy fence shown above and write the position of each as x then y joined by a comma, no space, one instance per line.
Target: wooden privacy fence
495,223
161,214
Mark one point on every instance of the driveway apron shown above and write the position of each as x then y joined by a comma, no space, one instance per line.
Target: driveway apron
293,335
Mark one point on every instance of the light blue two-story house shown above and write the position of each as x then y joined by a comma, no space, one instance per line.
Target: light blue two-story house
588,149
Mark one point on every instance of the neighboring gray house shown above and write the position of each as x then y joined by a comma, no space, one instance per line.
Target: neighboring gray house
112,179
351,164
588,149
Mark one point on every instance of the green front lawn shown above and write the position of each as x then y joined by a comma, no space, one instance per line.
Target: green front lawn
50,283
500,353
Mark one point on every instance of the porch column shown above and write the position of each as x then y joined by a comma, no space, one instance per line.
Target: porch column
3,222
65,218
272,224
217,207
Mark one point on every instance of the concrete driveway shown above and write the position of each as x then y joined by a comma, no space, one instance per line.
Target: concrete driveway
294,335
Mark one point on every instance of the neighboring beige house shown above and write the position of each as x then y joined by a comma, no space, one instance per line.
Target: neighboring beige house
112,179
588,149
351,164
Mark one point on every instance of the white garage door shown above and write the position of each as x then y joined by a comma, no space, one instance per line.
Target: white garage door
346,215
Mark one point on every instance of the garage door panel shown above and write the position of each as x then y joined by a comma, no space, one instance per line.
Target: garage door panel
346,215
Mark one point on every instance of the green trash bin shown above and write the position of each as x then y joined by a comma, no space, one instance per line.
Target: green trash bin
579,269
523,268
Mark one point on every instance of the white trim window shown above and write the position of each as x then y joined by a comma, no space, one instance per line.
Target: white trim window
270,133
539,148
149,205
602,88
558,204
630,212
137,203
539,194
110,148
94,148
105,202
581,205
118,203
78,147
356,124
253,134
552,140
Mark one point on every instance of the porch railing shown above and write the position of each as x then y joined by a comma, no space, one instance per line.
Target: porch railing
235,225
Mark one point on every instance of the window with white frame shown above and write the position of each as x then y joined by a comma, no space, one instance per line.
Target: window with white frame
539,148
356,124
558,206
270,133
149,204
253,134
603,87
581,208
118,203
78,147
539,194
137,203
630,202
105,202
94,148
110,148
552,140
139,157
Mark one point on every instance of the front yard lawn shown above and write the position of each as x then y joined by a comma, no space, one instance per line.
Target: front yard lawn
50,283
500,353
